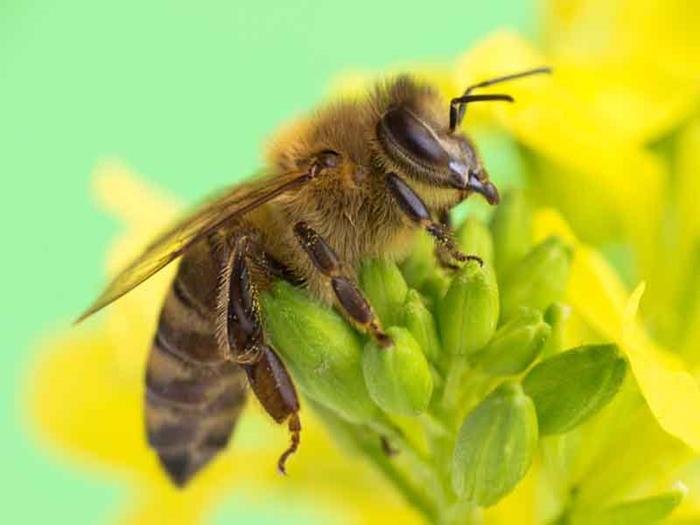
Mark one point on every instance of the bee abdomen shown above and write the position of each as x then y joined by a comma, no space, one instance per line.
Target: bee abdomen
193,394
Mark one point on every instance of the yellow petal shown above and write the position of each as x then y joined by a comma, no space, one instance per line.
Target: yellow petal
500,53
663,34
520,506
671,392
357,84
648,464
686,249
130,198
597,294
686,189
643,57
628,99
590,168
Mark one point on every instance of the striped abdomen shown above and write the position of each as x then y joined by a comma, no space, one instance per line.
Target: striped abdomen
193,394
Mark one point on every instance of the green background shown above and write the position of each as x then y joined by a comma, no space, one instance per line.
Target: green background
185,92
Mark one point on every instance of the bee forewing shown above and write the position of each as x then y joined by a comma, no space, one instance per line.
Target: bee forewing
206,219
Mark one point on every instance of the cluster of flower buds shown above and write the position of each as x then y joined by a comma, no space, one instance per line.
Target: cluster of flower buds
477,371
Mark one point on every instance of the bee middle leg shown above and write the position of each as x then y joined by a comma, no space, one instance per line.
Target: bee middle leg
245,340
349,297
414,208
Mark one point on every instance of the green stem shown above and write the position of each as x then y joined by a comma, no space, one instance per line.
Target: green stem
367,444
413,496
422,466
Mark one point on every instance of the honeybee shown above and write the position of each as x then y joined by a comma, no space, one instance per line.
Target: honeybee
356,180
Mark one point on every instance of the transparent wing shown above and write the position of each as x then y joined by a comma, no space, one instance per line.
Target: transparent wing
210,216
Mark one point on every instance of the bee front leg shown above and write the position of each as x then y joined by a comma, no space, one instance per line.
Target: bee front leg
442,253
244,336
414,208
349,297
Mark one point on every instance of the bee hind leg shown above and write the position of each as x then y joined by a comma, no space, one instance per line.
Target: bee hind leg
349,297
245,341
273,387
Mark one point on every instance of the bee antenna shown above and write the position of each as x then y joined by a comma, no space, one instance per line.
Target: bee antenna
458,106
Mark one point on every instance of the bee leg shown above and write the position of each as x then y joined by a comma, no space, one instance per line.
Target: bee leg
275,268
415,209
266,373
442,253
443,256
273,387
350,298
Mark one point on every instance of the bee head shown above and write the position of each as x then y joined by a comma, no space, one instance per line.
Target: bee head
414,143
433,156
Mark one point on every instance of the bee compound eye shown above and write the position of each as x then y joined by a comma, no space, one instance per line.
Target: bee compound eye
401,129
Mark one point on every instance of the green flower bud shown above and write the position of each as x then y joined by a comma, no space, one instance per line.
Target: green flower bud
468,314
434,288
538,279
474,238
419,321
555,316
385,288
495,446
570,387
512,230
398,378
515,345
321,350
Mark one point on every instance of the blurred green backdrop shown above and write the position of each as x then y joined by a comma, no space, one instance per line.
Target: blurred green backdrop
185,92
